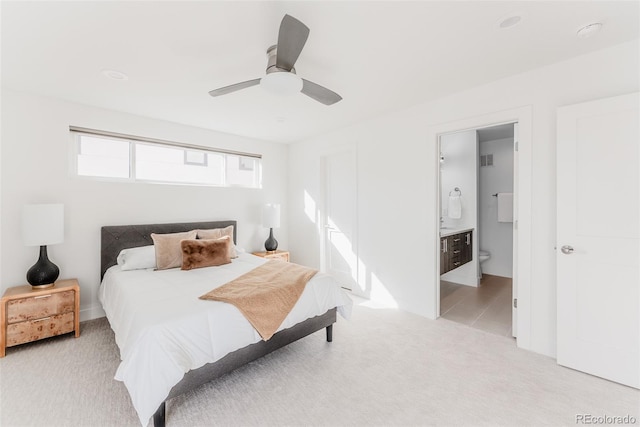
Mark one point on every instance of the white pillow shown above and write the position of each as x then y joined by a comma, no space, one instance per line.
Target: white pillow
137,258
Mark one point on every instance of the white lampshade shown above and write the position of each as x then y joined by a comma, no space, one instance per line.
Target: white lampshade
43,224
271,216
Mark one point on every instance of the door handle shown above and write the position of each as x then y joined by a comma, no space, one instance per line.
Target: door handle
567,250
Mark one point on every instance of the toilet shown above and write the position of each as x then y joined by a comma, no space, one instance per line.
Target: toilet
483,256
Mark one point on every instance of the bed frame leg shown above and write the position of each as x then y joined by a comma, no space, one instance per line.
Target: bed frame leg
159,416
329,333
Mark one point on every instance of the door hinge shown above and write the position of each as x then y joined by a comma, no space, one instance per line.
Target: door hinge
515,303
515,224
515,146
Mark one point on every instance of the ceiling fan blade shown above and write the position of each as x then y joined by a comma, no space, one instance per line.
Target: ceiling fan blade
232,88
319,93
292,36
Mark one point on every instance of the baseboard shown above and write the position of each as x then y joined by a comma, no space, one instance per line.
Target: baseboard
90,313
461,279
488,273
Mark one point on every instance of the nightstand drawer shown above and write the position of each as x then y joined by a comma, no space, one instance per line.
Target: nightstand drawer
32,330
20,310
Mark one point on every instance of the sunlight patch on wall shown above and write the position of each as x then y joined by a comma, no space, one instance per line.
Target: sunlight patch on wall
345,260
310,207
380,294
362,278
341,259
380,298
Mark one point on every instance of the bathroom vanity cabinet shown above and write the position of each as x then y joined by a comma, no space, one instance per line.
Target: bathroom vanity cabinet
455,250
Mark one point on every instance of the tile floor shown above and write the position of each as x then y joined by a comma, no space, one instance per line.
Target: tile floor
487,307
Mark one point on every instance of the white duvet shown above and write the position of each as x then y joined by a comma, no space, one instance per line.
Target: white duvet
163,330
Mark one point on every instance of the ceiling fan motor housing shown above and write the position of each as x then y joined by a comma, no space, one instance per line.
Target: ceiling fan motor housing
272,54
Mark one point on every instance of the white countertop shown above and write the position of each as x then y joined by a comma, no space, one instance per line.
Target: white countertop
449,231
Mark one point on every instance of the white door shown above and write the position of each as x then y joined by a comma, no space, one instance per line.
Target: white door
341,254
598,250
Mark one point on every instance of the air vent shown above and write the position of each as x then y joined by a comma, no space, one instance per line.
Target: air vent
486,160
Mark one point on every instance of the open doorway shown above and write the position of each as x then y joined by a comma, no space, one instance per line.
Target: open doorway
477,227
522,240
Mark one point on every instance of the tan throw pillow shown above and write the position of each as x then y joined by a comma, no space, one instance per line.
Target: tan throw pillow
216,233
168,250
205,252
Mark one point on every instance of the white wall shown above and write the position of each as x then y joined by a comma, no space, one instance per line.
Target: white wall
496,237
35,169
397,166
460,170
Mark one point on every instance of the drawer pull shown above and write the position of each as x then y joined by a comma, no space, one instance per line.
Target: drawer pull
42,296
456,263
41,320
456,240
456,252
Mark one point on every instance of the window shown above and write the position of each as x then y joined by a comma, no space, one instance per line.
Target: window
174,164
103,157
108,155
241,170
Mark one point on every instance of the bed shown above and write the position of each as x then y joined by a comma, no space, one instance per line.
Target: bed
166,352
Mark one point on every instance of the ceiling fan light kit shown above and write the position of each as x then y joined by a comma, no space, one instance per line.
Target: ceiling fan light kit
281,83
281,77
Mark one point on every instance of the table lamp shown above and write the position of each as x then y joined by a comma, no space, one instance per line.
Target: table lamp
43,225
271,220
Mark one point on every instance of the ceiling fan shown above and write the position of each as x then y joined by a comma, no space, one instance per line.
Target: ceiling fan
281,75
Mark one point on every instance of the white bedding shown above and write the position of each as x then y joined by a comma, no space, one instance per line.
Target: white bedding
163,330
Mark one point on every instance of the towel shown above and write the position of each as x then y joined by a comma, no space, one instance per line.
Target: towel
505,207
455,207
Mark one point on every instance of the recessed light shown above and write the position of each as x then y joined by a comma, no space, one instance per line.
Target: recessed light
509,21
589,30
115,75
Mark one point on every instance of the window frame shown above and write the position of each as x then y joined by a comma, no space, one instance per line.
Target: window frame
76,137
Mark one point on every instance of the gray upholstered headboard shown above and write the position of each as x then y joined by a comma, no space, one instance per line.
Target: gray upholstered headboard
115,238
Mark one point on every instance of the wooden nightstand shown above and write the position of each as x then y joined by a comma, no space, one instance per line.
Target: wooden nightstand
281,255
28,314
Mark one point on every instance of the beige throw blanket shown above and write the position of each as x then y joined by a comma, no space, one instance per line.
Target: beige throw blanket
266,294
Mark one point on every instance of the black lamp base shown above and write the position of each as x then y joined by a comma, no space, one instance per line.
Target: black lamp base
271,244
44,273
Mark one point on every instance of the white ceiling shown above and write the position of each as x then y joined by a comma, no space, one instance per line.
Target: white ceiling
380,56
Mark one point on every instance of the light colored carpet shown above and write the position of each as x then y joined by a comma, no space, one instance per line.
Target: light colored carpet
384,368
